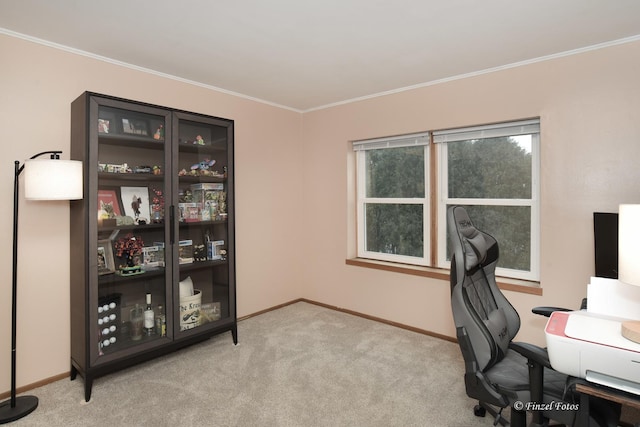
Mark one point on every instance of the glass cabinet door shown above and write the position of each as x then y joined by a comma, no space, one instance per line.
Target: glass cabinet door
132,228
203,188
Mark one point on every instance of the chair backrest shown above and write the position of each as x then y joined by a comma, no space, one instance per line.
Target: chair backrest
478,305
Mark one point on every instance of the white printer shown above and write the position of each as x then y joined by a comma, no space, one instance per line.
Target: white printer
591,346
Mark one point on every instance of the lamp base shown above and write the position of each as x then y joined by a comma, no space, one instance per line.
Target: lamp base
24,406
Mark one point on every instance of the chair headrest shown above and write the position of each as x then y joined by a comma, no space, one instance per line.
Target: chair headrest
475,245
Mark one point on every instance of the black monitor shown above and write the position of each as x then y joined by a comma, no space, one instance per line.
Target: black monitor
605,228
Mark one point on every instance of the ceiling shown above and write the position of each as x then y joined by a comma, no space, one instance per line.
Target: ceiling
306,54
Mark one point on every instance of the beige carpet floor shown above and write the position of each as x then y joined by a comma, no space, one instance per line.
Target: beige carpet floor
301,365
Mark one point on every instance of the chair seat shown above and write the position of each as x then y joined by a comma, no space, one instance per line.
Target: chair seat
511,376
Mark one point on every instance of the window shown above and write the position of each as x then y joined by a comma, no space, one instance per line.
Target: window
491,170
392,191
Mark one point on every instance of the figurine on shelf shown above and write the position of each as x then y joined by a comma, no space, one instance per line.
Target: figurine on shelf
199,253
202,166
136,202
159,133
199,140
185,196
157,170
157,206
142,169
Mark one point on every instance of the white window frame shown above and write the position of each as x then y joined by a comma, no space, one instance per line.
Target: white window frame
360,147
524,127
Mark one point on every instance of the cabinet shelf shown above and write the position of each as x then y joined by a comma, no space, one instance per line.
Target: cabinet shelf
133,177
185,224
186,179
138,228
131,141
115,278
196,265
107,133
202,149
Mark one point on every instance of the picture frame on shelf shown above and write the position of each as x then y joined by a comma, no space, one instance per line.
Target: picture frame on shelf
135,203
152,257
103,125
108,203
106,122
106,264
133,126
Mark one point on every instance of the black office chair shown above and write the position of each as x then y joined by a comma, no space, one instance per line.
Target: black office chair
501,373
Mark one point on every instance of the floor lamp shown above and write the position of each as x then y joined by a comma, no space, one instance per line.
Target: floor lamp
45,179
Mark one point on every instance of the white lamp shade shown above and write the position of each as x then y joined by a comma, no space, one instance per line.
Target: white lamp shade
52,179
629,244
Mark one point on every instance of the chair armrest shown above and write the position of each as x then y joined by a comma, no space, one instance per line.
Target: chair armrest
546,311
537,360
533,353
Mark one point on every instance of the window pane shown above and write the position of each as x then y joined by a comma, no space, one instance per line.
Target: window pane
511,227
490,168
395,172
394,229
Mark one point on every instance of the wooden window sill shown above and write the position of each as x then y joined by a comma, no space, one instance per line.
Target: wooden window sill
504,283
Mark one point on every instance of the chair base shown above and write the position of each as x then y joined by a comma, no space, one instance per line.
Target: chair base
481,409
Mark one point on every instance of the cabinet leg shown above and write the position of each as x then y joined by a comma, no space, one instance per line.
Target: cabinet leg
234,334
88,383
74,372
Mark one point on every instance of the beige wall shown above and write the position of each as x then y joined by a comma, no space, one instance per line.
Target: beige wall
292,173
37,85
589,105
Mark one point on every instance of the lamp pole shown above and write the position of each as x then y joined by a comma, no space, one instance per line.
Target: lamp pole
18,407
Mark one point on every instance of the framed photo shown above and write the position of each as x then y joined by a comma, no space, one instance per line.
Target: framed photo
108,203
153,256
103,125
106,121
135,203
135,126
105,257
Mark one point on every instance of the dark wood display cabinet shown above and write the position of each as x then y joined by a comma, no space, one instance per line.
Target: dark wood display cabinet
152,242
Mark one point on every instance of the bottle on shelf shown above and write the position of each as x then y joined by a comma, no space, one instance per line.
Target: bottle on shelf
137,323
161,321
149,318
